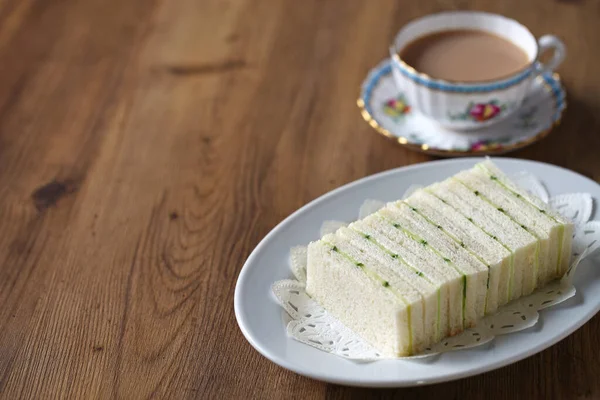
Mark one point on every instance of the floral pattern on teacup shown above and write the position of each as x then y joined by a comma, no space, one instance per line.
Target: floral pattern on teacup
480,112
396,107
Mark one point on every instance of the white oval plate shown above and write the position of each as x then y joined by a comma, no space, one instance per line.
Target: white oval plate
262,321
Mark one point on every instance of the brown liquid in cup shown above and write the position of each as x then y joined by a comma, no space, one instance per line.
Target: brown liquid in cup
464,55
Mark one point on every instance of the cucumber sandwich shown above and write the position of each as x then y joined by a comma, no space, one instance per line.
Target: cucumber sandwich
432,265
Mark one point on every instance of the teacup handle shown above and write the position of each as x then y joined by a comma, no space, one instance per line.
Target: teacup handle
551,42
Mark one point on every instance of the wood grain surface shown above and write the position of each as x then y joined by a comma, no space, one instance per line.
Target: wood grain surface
147,146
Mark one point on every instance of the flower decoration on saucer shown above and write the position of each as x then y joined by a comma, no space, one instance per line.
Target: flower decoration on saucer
438,94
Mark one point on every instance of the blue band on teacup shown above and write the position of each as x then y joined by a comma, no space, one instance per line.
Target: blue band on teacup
458,87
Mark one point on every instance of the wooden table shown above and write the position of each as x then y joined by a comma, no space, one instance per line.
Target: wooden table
147,146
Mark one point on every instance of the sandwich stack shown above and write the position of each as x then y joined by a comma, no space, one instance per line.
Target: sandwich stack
432,265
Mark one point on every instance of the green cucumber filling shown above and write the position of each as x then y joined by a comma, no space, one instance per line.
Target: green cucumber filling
536,264
487,285
394,256
512,255
464,298
462,244
561,237
517,194
511,280
525,198
408,319
437,324
500,209
424,242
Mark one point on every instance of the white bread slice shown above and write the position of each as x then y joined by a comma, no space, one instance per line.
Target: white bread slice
397,265
521,243
379,314
448,283
448,254
544,228
475,240
429,263
529,274
565,233
388,276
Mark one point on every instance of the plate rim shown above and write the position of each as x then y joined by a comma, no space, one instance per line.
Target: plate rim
374,74
388,383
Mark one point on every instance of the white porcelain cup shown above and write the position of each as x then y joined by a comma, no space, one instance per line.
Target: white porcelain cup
465,106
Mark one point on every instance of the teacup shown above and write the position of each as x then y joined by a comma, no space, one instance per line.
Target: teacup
471,105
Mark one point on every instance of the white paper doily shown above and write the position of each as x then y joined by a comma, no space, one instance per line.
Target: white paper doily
311,324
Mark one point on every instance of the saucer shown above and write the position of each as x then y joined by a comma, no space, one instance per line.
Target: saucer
388,112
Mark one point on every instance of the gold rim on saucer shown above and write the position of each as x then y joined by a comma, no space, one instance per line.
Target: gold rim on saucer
424,148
